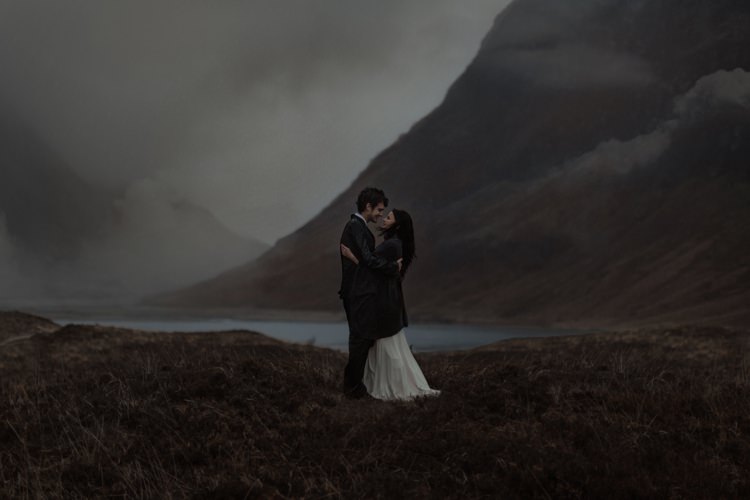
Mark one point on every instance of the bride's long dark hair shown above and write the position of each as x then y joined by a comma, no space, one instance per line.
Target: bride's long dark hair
403,229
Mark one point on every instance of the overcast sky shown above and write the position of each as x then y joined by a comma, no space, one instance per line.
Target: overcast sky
260,111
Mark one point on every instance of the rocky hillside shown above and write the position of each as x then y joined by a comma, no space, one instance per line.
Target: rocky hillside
589,166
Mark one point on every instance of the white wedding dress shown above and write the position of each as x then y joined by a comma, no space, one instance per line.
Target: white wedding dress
393,373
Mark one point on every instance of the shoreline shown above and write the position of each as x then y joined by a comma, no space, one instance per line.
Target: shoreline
134,311
423,337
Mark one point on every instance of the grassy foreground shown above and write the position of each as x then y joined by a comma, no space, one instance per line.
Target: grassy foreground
94,411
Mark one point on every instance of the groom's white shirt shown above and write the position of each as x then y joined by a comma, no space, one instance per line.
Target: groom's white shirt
360,216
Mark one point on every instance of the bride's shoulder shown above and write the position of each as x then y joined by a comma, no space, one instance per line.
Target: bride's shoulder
394,242
392,245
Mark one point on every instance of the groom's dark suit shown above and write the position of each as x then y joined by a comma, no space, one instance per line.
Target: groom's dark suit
358,279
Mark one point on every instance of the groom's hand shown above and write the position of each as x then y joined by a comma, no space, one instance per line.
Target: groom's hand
400,263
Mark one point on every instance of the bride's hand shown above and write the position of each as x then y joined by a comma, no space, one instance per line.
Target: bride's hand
346,252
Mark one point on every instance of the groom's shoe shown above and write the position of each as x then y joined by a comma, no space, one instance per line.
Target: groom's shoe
357,392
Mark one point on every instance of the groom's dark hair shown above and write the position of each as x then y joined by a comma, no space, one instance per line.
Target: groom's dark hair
371,195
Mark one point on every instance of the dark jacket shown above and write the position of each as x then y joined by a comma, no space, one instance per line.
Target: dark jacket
377,309
390,307
361,280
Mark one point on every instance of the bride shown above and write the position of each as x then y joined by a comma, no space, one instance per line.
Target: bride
391,371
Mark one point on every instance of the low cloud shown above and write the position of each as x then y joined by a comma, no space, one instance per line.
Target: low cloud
206,125
235,105
711,92
617,156
160,241
156,241
720,88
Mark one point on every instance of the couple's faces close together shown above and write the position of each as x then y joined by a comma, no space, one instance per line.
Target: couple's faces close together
373,214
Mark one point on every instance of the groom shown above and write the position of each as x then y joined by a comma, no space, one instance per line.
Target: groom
359,279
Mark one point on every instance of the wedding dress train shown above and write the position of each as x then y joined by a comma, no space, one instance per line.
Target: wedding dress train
393,373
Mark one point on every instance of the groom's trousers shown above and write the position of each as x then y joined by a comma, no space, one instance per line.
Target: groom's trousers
359,348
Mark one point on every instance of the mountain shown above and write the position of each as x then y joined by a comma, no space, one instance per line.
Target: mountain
61,237
47,208
158,241
589,166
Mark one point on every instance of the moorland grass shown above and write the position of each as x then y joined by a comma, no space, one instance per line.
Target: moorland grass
103,412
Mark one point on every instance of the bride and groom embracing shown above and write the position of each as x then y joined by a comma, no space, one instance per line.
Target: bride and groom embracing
380,361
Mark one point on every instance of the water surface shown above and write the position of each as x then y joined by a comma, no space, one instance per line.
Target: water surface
422,337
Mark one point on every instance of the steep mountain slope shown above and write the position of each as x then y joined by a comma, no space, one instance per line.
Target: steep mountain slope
590,165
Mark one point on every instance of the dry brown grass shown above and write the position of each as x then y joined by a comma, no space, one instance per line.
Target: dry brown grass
92,411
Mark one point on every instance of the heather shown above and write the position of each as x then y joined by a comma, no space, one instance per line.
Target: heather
104,412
